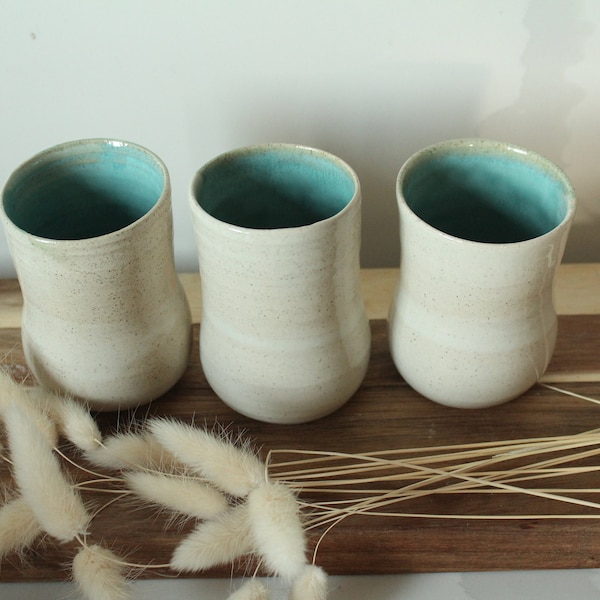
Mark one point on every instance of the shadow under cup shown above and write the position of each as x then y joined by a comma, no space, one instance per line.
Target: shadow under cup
101,188
483,193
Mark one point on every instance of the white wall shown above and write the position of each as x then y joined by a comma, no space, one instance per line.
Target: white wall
372,81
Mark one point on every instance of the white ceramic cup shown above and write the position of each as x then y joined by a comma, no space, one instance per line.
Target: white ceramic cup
89,227
483,227
284,336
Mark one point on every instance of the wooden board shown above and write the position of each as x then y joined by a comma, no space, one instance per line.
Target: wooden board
384,414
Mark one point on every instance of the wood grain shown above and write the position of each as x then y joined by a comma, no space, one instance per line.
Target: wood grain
384,414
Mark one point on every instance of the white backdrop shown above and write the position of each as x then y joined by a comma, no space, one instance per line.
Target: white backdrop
371,81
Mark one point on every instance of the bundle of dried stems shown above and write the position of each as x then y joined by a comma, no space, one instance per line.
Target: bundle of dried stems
243,505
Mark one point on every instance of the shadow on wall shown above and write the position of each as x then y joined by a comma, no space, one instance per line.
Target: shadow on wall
375,117
539,119
372,123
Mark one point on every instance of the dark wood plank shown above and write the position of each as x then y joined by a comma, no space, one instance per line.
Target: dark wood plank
384,414
577,347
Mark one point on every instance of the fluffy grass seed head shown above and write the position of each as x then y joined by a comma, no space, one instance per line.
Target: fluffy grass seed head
234,470
75,421
57,506
6,386
311,584
178,493
216,542
18,526
277,530
31,402
130,450
99,575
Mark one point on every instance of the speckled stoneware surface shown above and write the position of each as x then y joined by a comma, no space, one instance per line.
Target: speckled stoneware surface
483,227
89,227
284,335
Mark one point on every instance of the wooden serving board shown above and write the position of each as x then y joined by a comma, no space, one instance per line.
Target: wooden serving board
384,414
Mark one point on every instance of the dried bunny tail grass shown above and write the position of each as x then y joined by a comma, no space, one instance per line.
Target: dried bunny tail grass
215,542
99,574
253,589
311,584
277,530
74,420
29,401
569,393
131,450
178,493
232,469
53,500
9,388
18,526
7,384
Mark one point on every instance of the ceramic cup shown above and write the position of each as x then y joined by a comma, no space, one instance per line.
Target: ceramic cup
483,227
284,336
89,227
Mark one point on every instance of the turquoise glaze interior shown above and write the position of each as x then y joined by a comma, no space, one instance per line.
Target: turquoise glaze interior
81,191
486,196
273,188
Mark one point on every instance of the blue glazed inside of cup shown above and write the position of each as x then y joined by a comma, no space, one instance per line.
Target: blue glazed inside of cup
83,190
274,187
485,194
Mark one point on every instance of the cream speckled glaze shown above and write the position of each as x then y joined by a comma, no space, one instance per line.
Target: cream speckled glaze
89,227
284,336
472,323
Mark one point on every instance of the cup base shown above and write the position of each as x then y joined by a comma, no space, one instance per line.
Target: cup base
288,407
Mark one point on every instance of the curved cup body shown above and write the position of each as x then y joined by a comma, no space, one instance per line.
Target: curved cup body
472,323
284,336
105,317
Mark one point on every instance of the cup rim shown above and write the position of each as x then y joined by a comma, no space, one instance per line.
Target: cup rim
473,144
83,142
261,148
